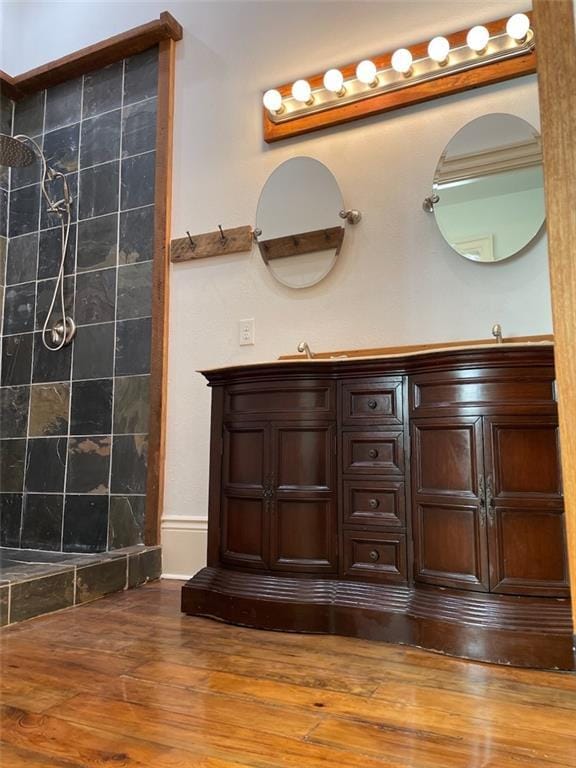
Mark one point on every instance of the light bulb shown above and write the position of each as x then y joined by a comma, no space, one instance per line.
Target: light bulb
402,61
301,91
334,81
272,100
477,38
438,49
518,26
366,72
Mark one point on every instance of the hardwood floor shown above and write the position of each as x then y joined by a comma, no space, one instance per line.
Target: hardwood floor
130,682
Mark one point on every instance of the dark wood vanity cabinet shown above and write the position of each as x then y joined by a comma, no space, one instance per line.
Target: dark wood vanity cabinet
414,499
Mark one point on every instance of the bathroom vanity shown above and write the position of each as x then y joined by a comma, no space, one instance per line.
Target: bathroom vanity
414,497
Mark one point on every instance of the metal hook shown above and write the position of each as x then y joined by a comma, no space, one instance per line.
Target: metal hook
223,238
192,243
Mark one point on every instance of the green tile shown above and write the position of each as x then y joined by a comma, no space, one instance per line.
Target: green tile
43,595
4,598
95,581
144,566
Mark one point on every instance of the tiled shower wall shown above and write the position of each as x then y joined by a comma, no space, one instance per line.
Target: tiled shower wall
74,423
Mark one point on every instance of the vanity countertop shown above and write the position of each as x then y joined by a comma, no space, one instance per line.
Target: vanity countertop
408,351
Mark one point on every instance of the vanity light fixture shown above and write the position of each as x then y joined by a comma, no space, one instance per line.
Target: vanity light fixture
483,54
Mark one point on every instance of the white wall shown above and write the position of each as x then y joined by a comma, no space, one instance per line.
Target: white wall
396,281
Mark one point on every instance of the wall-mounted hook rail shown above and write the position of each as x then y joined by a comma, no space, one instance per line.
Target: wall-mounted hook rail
219,243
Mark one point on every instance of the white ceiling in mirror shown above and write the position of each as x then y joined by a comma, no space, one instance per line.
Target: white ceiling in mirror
489,188
301,230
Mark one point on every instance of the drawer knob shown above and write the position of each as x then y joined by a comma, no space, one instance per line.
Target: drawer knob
373,453
372,404
374,555
373,503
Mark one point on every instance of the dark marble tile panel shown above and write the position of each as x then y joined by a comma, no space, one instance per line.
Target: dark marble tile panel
129,461
24,210
127,515
44,295
45,464
3,252
12,463
141,76
4,604
19,303
134,291
14,411
101,139
42,595
63,104
144,566
42,521
61,148
95,296
28,174
6,106
16,359
94,351
4,177
103,90
138,175
133,346
136,235
97,242
21,259
50,366
3,213
88,465
95,581
99,187
131,404
50,252
91,412
139,128
10,519
49,406
55,189
85,523
29,115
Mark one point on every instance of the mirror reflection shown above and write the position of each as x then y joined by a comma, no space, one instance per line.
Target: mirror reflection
298,216
490,188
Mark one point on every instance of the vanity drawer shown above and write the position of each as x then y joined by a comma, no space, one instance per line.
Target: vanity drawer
315,398
379,503
373,453
380,556
372,401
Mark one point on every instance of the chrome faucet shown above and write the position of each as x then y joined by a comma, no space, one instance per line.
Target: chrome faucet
303,347
497,332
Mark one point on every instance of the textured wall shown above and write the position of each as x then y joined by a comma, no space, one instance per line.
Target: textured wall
74,422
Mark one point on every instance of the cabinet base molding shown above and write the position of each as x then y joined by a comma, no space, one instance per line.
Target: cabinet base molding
518,631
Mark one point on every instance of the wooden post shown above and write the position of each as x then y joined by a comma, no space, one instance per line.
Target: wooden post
556,42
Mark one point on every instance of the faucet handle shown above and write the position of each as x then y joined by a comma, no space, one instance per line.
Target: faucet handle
497,332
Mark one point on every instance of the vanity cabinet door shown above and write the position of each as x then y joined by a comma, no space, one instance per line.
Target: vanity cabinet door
525,506
450,544
303,533
245,514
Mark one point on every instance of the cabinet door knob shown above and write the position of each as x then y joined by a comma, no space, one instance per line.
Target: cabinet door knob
373,503
374,555
372,404
373,453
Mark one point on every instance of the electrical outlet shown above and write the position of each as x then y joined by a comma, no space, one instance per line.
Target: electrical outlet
246,332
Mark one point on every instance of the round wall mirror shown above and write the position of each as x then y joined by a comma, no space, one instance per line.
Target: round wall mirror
489,188
298,216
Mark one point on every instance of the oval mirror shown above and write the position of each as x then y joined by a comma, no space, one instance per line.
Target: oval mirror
298,216
489,188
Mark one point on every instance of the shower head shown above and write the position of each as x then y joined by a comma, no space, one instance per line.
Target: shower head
14,153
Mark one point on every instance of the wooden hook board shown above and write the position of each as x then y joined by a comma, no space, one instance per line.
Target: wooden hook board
305,242
208,244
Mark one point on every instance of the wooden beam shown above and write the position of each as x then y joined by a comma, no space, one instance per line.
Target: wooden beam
8,87
487,74
160,292
554,24
304,242
96,56
208,244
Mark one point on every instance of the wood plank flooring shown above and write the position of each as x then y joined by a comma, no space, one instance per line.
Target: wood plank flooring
129,682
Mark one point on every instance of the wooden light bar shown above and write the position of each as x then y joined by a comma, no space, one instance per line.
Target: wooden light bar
503,59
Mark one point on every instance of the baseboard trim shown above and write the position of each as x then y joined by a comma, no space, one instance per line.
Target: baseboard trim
184,541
